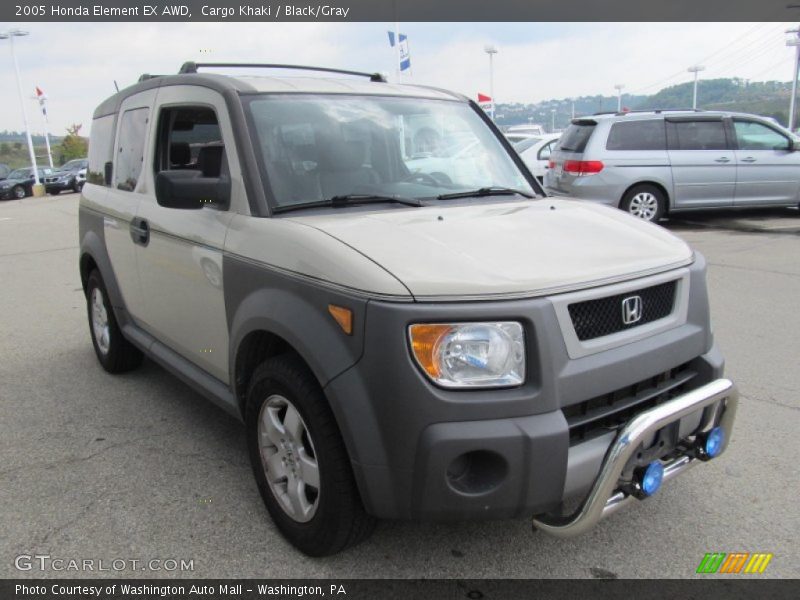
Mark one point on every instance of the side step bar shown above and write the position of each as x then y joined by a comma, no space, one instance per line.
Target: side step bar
605,498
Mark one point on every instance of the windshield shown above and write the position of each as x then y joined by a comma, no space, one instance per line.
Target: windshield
77,163
523,145
19,174
316,147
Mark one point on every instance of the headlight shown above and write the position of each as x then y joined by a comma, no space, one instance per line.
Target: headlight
470,355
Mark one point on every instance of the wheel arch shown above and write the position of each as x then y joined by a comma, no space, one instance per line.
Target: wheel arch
93,255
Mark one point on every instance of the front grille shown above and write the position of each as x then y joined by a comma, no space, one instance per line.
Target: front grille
604,316
609,412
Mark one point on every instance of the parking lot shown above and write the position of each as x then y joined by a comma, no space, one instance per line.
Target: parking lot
138,466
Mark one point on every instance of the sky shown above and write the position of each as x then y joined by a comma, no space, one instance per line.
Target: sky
76,64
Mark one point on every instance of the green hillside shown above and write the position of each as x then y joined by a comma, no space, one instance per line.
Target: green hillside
767,98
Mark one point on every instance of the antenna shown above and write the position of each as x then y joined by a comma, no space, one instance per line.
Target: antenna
115,85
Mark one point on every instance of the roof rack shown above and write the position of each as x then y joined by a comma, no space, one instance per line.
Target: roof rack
191,67
648,110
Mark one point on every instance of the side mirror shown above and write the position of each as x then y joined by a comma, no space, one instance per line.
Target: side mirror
794,145
190,190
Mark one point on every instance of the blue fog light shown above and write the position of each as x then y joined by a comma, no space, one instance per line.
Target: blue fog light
714,441
651,479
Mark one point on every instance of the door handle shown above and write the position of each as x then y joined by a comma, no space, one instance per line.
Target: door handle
749,159
140,231
722,159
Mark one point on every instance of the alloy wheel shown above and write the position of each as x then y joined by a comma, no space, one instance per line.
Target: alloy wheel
100,326
643,205
288,458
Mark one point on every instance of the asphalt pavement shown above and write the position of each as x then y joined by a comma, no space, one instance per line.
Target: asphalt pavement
140,467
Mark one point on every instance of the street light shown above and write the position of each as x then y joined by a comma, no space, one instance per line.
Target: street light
10,35
619,87
792,104
552,120
695,69
491,51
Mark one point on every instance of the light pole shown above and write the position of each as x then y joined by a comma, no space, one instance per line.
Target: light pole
552,120
793,103
695,69
491,51
10,35
619,87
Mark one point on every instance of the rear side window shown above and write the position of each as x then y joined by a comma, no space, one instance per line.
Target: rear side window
698,135
576,137
637,135
101,149
130,148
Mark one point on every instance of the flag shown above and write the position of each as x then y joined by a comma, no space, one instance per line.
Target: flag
40,96
485,102
405,54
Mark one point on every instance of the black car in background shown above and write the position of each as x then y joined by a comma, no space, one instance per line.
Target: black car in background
66,177
4,171
19,183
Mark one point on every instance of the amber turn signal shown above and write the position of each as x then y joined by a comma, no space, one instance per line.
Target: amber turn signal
343,316
424,340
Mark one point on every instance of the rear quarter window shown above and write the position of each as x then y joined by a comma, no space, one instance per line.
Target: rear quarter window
101,149
576,137
130,155
637,135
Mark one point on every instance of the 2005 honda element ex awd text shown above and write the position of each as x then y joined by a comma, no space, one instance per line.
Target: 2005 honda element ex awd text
369,277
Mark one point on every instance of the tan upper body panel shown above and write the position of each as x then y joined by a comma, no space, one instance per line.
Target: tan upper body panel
499,249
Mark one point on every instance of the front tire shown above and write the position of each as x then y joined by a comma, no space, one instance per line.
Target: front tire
115,353
645,202
18,192
300,462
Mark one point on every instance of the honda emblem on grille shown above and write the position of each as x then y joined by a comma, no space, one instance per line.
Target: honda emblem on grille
631,310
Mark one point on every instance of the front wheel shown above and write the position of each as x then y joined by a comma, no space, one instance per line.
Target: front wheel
645,202
300,462
18,192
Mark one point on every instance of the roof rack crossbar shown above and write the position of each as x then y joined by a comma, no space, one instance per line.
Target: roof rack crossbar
191,67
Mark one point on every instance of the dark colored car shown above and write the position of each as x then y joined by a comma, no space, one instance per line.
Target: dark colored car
19,183
66,177
4,171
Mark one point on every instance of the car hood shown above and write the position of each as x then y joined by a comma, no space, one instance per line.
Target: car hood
504,249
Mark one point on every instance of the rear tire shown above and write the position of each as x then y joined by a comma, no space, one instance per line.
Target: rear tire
300,462
646,202
115,353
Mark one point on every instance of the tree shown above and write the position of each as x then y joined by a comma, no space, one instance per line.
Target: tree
5,149
73,145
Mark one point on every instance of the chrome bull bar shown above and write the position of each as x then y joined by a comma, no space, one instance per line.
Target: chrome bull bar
605,497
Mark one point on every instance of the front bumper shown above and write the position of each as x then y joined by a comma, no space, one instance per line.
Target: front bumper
58,186
718,399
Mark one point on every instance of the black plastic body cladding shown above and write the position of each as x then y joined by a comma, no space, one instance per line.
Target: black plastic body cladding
403,432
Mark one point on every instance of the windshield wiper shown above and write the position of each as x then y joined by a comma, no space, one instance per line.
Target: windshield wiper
351,200
484,191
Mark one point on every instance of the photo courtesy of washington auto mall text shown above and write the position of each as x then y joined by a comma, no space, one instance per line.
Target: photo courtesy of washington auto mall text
399,299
